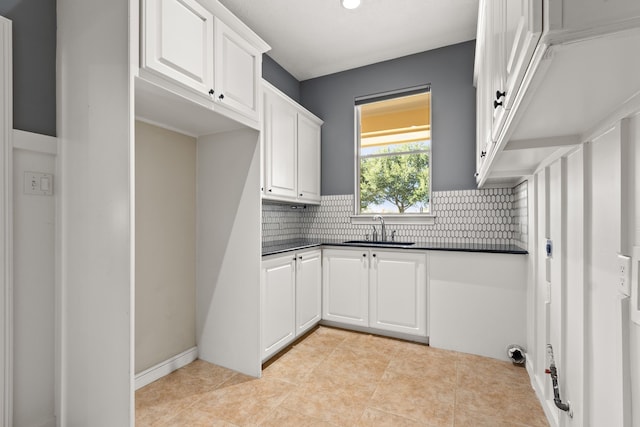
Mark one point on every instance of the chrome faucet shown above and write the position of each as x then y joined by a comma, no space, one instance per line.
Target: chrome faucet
383,231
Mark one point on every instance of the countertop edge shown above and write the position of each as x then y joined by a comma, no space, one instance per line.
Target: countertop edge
418,247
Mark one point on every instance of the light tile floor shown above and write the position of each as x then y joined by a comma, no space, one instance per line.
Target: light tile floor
341,378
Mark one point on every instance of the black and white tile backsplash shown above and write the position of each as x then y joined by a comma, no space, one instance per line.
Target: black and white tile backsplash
496,215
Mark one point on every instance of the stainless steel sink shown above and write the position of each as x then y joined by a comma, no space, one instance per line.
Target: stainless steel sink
378,243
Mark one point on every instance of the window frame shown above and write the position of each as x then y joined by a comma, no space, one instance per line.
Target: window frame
390,218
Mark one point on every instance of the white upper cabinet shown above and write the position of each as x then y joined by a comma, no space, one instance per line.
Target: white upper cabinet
200,67
515,31
237,71
535,62
291,149
179,43
308,159
509,31
280,134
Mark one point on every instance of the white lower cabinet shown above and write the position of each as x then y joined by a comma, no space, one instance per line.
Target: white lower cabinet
398,292
290,298
345,286
308,290
383,290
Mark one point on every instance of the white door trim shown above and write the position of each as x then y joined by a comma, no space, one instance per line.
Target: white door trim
6,221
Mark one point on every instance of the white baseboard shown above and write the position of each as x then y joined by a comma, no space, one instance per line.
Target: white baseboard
165,368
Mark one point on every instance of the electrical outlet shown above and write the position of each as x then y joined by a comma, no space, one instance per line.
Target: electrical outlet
624,275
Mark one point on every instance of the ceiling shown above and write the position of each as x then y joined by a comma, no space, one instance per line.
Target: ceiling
312,38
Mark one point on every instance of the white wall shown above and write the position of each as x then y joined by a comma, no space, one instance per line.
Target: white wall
229,250
477,302
95,278
33,285
587,203
165,245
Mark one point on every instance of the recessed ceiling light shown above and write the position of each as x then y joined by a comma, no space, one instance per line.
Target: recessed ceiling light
350,4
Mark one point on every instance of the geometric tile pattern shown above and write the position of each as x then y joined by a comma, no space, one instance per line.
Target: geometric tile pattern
520,215
494,216
341,378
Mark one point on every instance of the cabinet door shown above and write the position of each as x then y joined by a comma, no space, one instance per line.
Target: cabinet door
280,123
237,73
308,159
522,30
345,292
398,292
277,301
178,43
516,29
308,290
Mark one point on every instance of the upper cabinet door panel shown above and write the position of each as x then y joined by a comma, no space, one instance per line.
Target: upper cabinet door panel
281,147
237,71
308,159
523,27
178,42
516,27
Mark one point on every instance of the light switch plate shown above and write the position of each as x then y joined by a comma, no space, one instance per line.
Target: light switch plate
634,271
624,275
38,184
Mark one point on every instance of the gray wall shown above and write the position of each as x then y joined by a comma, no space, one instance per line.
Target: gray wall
449,70
34,63
280,78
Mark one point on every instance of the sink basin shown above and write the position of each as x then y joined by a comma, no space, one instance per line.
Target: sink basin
378,243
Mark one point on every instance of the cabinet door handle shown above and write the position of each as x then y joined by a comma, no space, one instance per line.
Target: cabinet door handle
221,97
483,154
500,94
211,92
496,104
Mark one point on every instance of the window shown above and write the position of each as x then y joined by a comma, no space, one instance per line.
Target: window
393,153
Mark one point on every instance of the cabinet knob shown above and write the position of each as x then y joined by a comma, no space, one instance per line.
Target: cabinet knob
210,91
221,97
476,174
299,257
483,154
364,255
374,255
270,190
500,94
496,104
300,194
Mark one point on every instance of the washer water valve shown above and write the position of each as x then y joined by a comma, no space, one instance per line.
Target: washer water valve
553,371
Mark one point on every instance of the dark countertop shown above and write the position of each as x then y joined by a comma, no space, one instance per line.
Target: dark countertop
299,244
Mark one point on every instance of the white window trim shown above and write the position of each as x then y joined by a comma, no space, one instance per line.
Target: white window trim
391,218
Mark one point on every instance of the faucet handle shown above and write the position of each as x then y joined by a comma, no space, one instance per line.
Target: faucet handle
374,235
